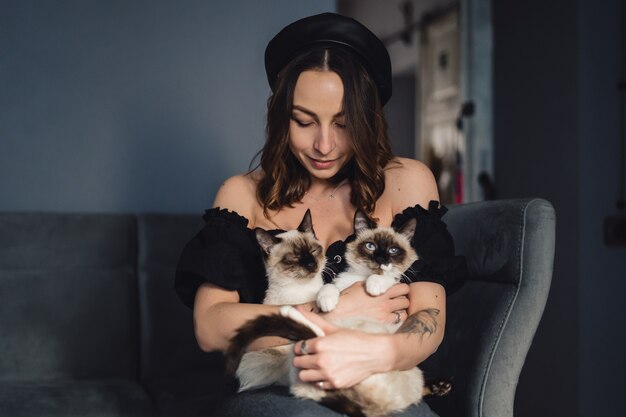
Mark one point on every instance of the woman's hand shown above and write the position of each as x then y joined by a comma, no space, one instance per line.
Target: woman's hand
356,302
343,357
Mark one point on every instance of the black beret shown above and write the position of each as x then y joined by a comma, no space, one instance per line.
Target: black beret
330,29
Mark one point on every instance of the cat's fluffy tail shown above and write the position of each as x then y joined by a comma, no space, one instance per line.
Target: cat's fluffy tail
261,368
271,325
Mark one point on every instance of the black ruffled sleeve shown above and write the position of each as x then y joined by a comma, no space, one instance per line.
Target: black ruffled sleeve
435,247
223,253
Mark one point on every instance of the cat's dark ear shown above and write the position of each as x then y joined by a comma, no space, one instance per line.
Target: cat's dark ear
408,229
306,225
362,222
266,240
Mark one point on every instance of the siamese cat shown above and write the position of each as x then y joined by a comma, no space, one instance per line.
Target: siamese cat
379,256
294,261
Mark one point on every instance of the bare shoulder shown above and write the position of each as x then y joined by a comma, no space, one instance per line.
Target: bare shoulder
238,193
409,182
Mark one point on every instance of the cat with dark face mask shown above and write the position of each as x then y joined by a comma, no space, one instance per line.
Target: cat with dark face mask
294,261
378,256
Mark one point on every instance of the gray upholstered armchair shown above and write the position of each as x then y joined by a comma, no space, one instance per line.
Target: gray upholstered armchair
491,321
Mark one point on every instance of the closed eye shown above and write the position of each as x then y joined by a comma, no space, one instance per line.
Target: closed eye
301,123
290,260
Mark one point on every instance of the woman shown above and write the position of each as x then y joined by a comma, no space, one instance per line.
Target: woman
327,150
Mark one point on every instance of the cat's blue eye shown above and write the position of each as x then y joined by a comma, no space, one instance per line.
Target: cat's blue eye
393,250
370,246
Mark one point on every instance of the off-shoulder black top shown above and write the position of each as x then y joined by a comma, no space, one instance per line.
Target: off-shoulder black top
225,253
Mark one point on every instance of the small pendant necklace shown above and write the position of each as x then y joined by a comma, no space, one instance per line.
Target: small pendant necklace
330,196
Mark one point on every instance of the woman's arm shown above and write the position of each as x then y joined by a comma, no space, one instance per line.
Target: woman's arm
422,332
217,314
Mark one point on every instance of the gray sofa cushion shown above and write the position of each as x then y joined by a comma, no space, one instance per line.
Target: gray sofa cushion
69,296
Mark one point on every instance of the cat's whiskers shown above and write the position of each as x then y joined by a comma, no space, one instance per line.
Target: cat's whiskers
405,278
411,270
328,270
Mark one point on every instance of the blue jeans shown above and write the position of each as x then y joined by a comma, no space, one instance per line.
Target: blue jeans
276,401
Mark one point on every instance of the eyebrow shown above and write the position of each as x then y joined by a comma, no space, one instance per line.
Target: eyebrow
312,113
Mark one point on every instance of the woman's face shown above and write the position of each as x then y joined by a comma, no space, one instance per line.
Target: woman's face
317,130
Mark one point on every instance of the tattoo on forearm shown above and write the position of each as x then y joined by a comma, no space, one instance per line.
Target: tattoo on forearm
424,322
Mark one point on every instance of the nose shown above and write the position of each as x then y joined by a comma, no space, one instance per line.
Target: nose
311,266
381,257
325,140
308,262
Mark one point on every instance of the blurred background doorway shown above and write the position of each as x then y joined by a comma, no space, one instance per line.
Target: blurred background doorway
441,109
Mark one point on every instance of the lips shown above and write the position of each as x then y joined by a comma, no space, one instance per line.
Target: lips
322,164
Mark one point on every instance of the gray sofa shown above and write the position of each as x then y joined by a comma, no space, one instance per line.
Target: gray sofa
90,324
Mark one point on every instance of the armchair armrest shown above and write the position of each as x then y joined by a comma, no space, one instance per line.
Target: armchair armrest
492,319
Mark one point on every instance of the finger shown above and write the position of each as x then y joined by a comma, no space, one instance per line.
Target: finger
398,290
399,303
311,375
305,362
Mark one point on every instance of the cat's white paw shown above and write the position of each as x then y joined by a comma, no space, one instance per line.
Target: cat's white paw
378,284
328,298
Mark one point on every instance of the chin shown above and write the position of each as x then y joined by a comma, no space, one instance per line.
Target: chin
325,175
322,174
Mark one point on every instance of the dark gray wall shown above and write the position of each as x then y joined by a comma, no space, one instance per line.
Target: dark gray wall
602,270
536,155
144,105
556,136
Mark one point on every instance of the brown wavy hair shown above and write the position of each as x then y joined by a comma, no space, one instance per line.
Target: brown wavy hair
285,180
